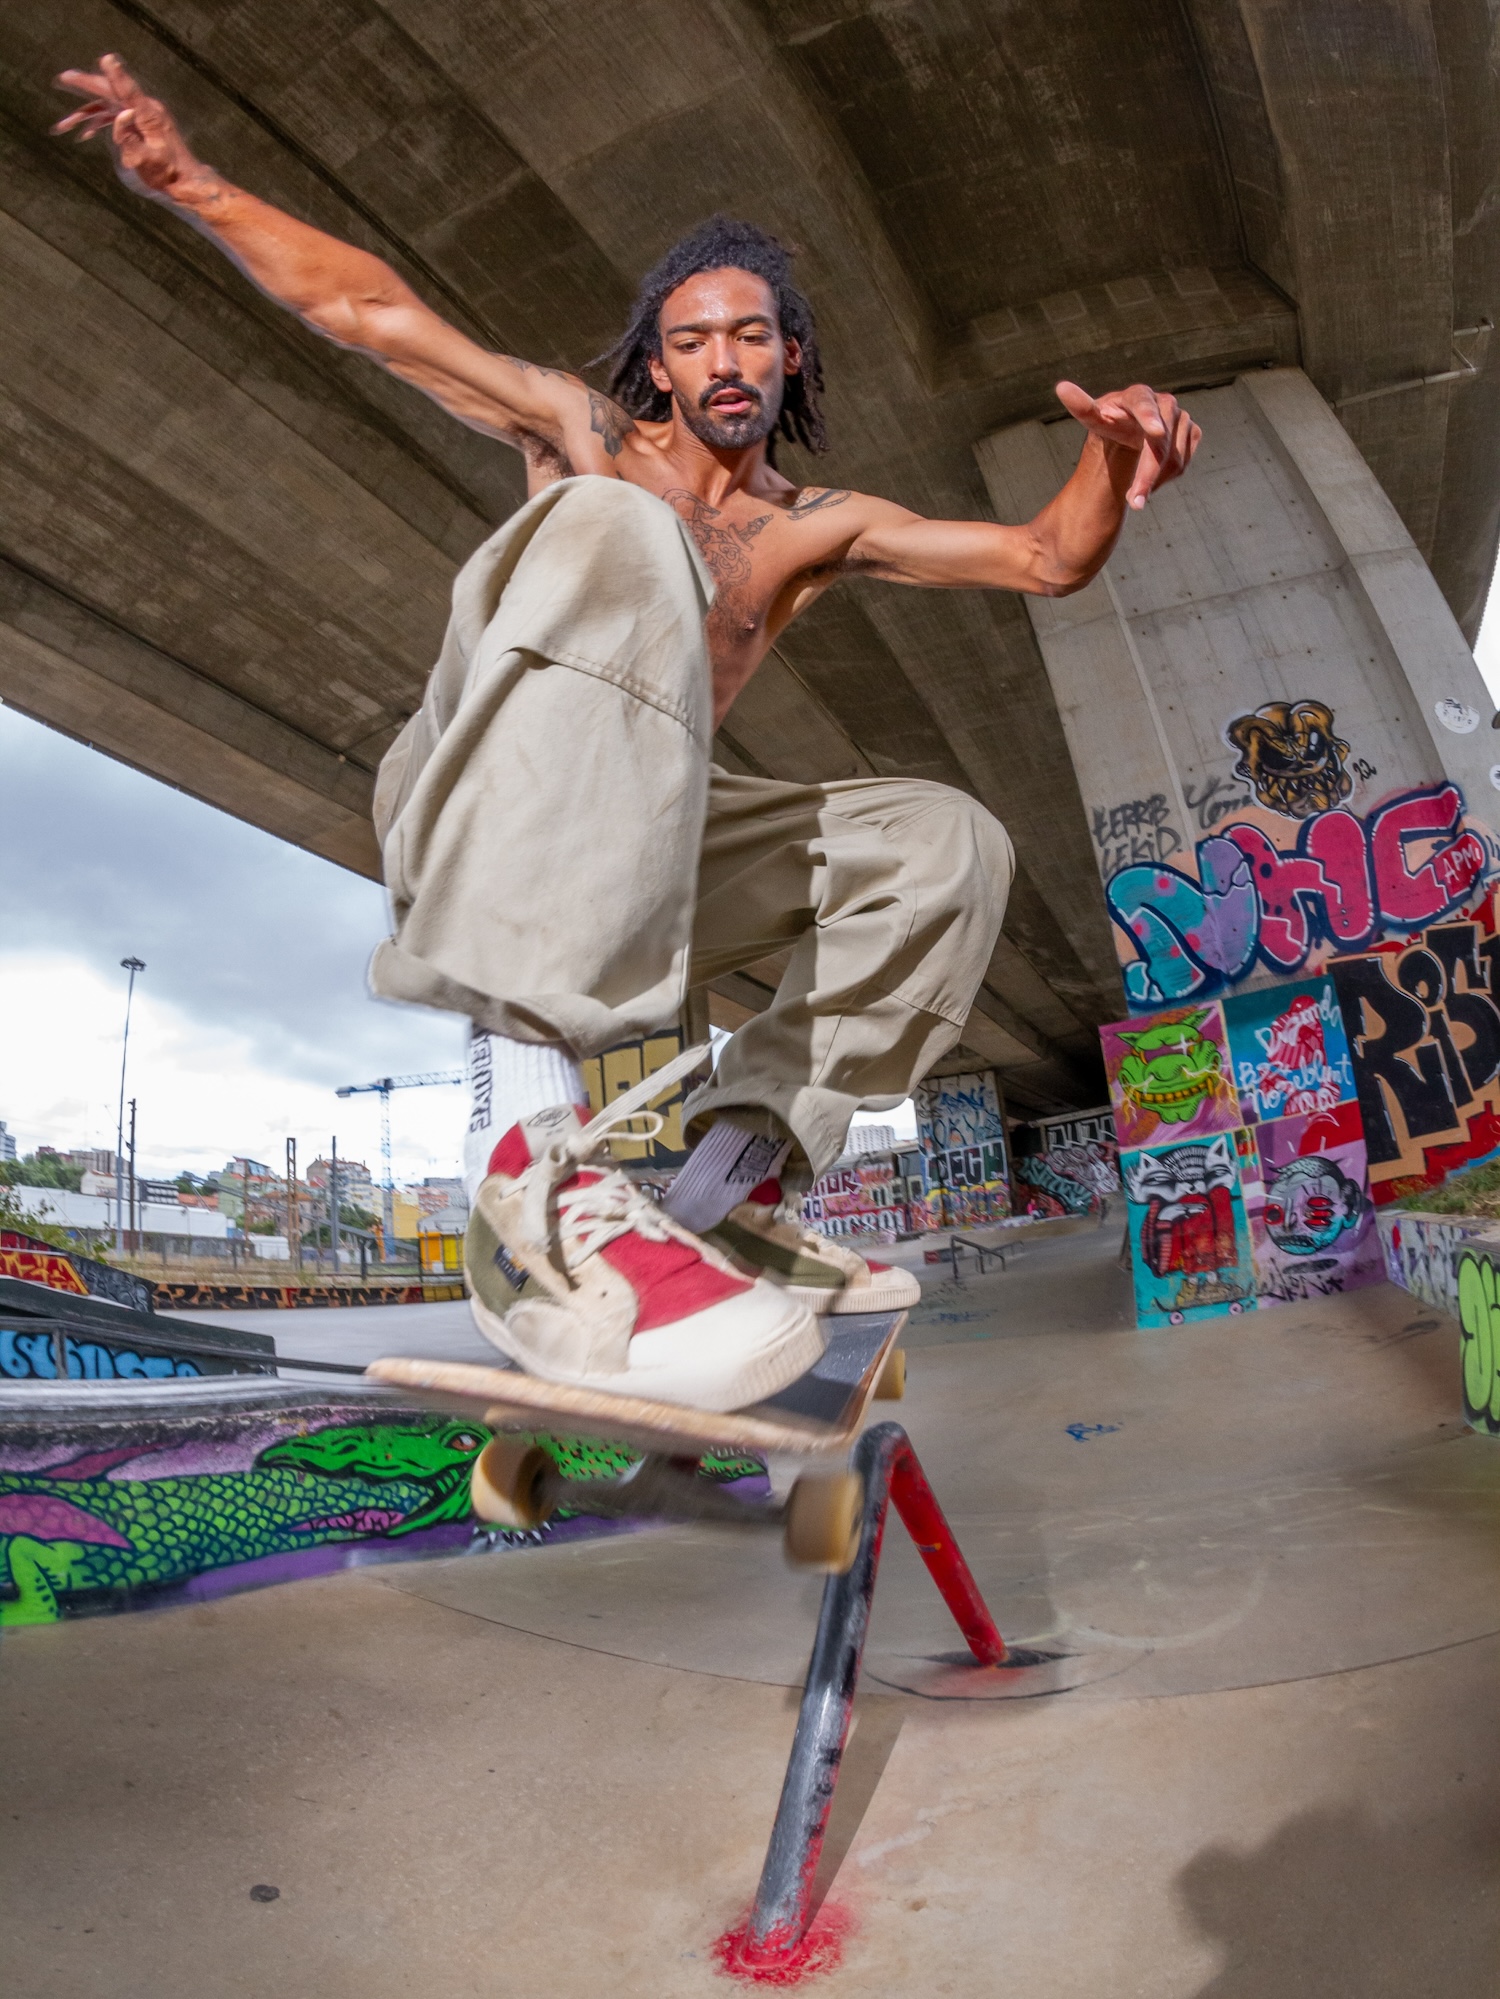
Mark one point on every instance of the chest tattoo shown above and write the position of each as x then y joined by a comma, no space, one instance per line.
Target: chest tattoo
724,547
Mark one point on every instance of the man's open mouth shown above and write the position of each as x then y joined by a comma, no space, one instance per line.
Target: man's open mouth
733,402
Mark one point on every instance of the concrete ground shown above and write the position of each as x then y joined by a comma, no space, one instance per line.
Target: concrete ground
1264,1766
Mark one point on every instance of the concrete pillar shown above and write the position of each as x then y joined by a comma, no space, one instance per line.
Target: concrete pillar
1277,571
1283,746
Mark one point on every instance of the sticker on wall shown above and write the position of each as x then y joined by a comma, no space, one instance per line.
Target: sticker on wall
1189,1236
1457,716
1169,1075
1312,1222
1288,1050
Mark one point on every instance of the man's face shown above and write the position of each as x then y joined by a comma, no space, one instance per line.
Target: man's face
723,359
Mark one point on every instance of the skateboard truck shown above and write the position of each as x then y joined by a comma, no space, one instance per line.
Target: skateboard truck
775,1936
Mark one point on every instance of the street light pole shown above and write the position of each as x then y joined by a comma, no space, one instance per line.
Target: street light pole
131,965
333,1206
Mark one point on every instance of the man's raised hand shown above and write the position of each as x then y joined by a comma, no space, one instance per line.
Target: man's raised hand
1149,422
150,153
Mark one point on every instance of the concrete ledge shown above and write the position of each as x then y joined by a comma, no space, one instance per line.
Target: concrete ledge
1421,1251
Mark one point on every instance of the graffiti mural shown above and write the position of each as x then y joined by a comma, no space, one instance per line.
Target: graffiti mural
1169,1076
862,1199
1421,1252
1423,1027
1189,1238
1288,1050
1479,1347
1290,757
965,1168
183,1516
33,1355
1066,1165
1255,903
1312,1222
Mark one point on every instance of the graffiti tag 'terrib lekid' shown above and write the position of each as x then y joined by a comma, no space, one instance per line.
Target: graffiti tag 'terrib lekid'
1345,884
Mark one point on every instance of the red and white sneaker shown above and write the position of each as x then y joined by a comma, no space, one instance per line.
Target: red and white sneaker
764,1237
579,1277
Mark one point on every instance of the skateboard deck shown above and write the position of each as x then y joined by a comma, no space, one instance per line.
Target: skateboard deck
817,1415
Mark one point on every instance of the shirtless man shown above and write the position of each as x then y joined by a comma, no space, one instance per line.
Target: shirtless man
563,862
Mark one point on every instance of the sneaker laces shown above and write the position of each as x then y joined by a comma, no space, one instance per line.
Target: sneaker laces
595,1213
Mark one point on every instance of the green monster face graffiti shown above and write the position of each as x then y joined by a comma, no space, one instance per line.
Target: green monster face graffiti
1170,1068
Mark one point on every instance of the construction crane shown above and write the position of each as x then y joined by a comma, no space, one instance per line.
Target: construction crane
382,1088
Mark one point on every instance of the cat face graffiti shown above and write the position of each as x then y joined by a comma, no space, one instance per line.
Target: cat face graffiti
1172,1177
1309,1205
1291,758
1170,1068
1188,1227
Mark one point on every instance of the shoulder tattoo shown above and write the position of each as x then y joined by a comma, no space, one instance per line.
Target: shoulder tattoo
609,422
812,498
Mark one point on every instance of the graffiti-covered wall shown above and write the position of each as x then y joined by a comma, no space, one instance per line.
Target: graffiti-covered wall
1279,735
965,1169
105,1506
1246,1177
1065,1165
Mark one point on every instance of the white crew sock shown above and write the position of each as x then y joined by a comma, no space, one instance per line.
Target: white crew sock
721,1170
511,1080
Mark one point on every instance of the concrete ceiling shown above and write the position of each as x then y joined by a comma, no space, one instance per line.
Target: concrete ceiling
225,547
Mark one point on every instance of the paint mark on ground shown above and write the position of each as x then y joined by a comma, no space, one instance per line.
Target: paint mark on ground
1080,1432
785,1960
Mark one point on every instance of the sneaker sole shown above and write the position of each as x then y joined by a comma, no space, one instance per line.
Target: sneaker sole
887,1291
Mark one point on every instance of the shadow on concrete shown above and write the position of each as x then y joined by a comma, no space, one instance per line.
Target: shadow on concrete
1335,1905
878,1721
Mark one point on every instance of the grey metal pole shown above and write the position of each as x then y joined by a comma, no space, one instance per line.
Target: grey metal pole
131,965
134,1214
333,1206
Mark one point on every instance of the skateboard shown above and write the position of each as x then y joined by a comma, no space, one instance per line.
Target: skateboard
816,1417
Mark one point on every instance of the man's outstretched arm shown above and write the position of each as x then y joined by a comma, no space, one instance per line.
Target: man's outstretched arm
1138,440
341,292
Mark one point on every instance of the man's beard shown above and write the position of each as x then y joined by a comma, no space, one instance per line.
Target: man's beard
730,433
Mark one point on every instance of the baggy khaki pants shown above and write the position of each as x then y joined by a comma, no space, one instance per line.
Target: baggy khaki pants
563,862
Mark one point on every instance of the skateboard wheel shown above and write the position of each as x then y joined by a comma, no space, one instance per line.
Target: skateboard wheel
891,1385
506,1483
823,1522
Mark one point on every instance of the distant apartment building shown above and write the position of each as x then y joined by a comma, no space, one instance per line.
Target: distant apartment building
7,1143
435,1195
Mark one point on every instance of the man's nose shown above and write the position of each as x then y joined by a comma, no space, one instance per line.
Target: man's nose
725,364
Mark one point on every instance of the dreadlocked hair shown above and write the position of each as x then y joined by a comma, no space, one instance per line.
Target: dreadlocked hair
718,244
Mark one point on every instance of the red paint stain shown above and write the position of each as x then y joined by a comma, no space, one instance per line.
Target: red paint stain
782,1960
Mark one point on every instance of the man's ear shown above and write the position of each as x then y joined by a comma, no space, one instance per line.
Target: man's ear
793,364
659,375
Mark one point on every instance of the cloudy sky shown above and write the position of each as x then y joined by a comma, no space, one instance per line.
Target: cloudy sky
252,1009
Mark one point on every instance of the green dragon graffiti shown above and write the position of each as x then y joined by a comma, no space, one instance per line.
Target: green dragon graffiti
71,1529
1170,1069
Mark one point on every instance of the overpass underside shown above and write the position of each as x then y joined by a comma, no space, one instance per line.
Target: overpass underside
225,547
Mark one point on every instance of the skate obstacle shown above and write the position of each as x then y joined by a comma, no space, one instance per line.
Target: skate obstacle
773,1944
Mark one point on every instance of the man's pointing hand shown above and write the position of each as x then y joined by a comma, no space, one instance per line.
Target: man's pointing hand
150,153
1148,422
